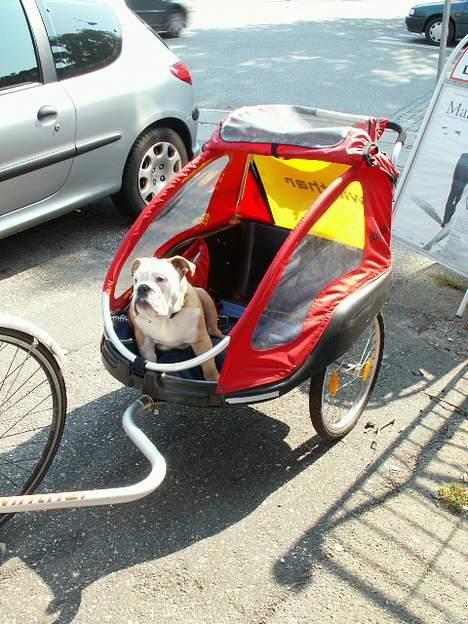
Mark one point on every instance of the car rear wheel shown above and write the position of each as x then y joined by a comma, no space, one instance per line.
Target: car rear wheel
433,31
157,155
175,24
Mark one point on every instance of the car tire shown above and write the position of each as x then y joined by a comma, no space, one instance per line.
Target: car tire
156,156
175,24
433,30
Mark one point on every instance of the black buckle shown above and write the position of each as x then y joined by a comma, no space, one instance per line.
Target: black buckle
138,367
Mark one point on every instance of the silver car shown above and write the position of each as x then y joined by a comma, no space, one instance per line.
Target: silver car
92,103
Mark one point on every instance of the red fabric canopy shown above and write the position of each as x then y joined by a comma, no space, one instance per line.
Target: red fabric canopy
236,196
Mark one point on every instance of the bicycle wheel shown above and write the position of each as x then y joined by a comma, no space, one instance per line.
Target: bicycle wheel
339,394
33,404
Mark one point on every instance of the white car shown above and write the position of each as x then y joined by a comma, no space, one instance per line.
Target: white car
92,103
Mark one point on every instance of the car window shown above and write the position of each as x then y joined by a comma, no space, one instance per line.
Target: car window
84,35
18,62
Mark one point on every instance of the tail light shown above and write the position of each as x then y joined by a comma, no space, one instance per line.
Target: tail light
182,72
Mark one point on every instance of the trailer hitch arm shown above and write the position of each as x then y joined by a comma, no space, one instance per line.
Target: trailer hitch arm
108,496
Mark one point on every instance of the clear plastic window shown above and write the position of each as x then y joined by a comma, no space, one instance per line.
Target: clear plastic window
291,125
321,257
185,209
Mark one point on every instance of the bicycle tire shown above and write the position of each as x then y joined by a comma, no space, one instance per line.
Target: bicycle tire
320,385
20,352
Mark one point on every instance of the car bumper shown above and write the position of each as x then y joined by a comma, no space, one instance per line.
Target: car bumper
415,23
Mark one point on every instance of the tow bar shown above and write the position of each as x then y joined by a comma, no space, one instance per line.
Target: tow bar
109,496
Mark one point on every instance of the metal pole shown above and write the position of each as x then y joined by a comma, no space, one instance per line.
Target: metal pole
443,38
463,304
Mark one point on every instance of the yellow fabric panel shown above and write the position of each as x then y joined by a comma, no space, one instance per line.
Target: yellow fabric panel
293,185
344,220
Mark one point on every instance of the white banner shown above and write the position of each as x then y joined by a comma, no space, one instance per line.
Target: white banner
431,212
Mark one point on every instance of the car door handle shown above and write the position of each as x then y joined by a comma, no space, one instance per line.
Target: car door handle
46,112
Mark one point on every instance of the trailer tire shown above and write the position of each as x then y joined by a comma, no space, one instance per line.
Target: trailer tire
362,373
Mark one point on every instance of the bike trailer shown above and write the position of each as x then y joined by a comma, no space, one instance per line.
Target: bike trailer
287,216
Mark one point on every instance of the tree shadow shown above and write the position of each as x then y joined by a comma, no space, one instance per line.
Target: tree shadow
221,466
311,63
366,505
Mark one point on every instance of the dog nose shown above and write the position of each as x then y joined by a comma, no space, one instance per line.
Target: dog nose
143,289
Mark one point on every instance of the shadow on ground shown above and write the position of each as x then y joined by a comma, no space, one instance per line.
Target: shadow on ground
93,231
221,469
316,63
369,505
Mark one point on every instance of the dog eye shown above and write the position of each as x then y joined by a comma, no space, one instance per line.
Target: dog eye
160,279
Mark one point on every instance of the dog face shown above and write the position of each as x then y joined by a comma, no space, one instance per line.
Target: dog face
159,285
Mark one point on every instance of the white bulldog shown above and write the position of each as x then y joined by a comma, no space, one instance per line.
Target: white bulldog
166,312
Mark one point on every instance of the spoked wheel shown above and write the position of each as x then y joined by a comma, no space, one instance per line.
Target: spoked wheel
339,394
33,404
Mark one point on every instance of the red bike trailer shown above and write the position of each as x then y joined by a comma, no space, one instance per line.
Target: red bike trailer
291,209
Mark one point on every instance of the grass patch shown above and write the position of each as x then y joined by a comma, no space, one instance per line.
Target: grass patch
450,281
455,496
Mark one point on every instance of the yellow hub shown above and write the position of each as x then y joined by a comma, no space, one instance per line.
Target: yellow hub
366,368
334,383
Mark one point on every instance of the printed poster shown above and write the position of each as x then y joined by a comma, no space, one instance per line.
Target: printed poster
431,212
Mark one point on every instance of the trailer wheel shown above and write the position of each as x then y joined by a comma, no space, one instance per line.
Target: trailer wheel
339,394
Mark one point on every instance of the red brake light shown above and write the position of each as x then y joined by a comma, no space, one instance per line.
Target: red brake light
182,72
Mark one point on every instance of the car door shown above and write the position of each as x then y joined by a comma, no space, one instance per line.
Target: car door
37,117
154,12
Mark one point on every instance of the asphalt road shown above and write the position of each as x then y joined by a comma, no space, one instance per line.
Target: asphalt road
257,521
354,56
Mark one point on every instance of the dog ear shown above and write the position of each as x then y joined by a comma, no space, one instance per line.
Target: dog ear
182,265
135,265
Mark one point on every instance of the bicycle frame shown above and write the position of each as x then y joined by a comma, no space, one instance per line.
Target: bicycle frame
114,496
